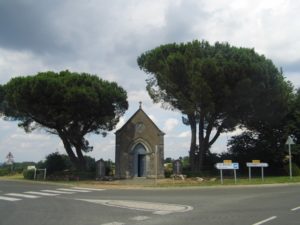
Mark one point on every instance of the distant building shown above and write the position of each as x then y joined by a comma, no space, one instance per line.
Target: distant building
139,148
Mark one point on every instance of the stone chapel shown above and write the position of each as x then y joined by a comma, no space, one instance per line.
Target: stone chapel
139,148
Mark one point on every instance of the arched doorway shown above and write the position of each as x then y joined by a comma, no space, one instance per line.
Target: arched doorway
140,161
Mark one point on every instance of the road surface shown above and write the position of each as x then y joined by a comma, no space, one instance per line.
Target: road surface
25,203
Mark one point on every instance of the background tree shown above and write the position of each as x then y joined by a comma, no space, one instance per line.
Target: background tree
294,127
267,141
55,163
66,104
217,87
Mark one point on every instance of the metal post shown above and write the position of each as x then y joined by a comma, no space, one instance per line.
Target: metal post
34,177
221,173
156,150
262,173
249,168
290,162
45,174
234,171
290,142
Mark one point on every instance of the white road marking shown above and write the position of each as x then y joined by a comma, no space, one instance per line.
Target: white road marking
58,192
155,207
266,220
88,189
72,190
162,212
9,199
294,209
140,218
40,193
22,195
113,223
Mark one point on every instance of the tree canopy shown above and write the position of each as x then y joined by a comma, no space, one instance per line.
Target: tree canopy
67,104
217,87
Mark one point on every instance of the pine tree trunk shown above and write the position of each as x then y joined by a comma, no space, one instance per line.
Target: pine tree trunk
79,161
192,156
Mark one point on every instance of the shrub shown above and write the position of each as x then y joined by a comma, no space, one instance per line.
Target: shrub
4,172
55,162
168,167
28,174
295,169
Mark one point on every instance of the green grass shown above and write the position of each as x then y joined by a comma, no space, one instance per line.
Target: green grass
227,181
17,176
166,183
267,180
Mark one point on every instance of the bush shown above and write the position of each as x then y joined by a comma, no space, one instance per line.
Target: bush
4,172
28,174
295,169
168,167
55,162
90,164
71,175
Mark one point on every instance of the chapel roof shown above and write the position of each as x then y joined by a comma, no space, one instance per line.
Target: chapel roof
143,114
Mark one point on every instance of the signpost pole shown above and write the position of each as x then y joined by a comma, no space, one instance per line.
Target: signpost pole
34,177
290,162
290,142
249,168
45,174
234,171
221,173
256,164
156,150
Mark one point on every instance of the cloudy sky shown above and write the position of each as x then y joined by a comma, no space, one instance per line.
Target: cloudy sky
106,37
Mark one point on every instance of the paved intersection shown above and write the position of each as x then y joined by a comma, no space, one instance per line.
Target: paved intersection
48,205
44,200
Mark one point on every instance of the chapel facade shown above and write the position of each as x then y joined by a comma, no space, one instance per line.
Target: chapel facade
139,148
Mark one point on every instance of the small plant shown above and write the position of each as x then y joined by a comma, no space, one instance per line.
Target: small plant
28,174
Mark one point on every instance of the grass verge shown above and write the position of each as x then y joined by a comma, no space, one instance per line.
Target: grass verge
168,183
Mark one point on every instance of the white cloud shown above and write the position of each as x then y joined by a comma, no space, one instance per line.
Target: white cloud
153,118
236,132
29,137
121,123
16,63
184,134
170,125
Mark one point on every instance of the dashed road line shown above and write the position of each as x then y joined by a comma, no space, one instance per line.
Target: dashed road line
9,199
22,195
88,189
58,192
265,221
40,193
73,190
294,209
113,223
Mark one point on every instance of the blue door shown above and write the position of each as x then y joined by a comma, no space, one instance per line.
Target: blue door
141,165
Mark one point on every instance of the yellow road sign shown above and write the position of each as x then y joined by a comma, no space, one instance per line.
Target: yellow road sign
227,161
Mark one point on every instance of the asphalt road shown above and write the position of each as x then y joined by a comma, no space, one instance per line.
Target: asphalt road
23,203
